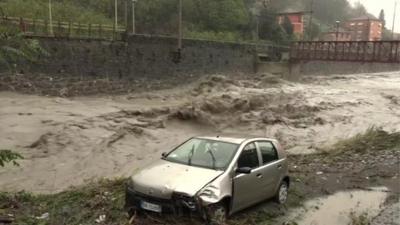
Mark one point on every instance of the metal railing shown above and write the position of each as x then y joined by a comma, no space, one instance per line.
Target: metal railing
359,51
39,27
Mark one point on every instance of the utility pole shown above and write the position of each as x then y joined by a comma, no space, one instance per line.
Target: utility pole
311,19
180,32
116,14
394,18
133,17
50,20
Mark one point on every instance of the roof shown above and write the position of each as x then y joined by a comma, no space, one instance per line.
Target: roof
234,139
291,13
296,10
365,17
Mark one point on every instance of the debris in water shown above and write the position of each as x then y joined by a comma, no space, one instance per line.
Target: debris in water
43,216
101,219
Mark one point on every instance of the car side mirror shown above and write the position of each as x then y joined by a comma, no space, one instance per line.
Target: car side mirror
164,155
244,170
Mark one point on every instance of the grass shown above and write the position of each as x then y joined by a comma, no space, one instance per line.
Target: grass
374,139
84,204
79,205
362,219
7,156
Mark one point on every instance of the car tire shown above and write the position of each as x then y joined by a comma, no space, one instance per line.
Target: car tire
282,194
217,214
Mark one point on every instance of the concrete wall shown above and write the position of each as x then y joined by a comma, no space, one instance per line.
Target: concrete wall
143,57
337,67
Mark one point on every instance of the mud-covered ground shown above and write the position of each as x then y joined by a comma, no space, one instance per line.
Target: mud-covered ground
70,141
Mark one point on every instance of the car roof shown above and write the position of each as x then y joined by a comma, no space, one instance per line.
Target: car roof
234,139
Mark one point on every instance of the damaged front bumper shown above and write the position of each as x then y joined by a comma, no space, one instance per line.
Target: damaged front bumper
178,204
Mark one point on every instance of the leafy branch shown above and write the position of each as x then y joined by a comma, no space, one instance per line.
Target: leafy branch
7,156
14,47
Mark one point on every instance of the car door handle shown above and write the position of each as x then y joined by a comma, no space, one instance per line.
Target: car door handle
259,175
279,167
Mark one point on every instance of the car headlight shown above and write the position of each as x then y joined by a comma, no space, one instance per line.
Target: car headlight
209,194
185,200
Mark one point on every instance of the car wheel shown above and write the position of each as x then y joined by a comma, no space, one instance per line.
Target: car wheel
282,195
217,214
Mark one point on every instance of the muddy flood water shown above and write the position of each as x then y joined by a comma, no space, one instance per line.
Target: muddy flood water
67,141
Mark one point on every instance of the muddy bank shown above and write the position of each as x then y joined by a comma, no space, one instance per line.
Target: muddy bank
68,141
70,86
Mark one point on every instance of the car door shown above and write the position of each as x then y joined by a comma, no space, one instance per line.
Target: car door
271,168
246,186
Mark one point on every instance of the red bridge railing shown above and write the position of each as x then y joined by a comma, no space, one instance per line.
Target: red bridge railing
358,51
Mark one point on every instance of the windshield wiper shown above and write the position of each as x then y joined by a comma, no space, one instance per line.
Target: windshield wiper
209,150
191,156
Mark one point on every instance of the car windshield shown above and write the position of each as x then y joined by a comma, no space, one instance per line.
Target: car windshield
205,153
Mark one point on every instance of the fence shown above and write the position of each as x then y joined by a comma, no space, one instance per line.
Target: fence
360,51
38,27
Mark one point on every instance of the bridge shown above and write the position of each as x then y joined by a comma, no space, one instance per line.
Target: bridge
349,51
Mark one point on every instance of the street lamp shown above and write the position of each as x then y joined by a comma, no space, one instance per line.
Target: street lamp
180,31
50,20
133,17
337,29
116,14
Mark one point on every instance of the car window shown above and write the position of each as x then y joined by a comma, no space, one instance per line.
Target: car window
268,152
249,157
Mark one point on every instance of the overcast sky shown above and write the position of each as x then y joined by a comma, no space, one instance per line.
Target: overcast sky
375,6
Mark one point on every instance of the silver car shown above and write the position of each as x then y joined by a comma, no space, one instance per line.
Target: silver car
214,176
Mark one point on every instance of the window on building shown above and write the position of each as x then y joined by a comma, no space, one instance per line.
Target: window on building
352,24
360,24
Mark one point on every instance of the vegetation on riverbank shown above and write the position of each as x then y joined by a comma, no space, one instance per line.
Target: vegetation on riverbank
374,139
229,20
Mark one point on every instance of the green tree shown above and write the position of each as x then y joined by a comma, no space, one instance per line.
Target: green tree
63,10
328,11
288,26
14,47
313,31
382,18
359,10
7,156
269,29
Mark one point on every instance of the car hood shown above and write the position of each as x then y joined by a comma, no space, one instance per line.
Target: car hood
163,178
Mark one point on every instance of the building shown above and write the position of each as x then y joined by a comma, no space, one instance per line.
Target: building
365,28
297,20
336,35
